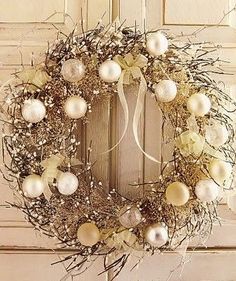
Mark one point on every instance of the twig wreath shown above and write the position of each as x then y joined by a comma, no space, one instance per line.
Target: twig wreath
59,194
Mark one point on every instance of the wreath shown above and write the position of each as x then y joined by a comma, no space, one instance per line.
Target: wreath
58,192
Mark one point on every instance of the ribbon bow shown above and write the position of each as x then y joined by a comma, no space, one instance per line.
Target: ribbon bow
131,69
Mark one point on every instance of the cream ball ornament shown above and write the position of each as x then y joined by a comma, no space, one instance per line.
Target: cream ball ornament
67,183
177,194
157,44
130,216
73,70
109,71
88,234
216,134
33,110
206,190
198,104
33,186
75,107
165,90
220,170
156,235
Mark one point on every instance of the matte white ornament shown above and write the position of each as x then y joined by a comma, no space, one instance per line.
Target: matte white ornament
216,134
73,70
177,193
206,190
156,235
75,107
33,110
109,71
220,170
67,183
199,104
157,44
33,186
165,90
130,216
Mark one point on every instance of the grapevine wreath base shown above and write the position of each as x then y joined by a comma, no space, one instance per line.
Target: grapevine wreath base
58,193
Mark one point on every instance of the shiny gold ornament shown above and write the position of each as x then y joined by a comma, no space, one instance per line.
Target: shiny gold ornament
177,194
88,234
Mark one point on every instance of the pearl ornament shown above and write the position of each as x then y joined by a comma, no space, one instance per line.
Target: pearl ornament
33,186
220,170
130,216
67,183
165,90
206,190
198,104
177,194
216,134
73,70
75,107
33,110
156,235
88,234
157,44
109,71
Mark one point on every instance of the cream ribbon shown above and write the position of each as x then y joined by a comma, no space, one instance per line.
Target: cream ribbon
132,70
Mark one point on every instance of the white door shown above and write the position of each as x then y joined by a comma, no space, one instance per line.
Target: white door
25,28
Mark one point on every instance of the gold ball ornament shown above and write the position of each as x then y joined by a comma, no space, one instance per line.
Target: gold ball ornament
165,90
33,110
157,44
75,107
220,170
156,235
67,183
177,194
73,70
88,234
109,71
198,104
33,186
129,216
206,190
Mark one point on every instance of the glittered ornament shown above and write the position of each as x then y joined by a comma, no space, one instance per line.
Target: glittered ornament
75,107
109,71
177,194
198,104
67,183
73,70
156,235
206,190
33,186
165,90
216,134
33,110
220,170
157,44
88,234
130,216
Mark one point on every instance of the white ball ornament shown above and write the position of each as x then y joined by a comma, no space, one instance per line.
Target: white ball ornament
33,110
216,134
33,186
75,107
73,70
220,170
130,216
157,44
177,194
109,71
165,90
67,183
156,235
206,190
198,104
